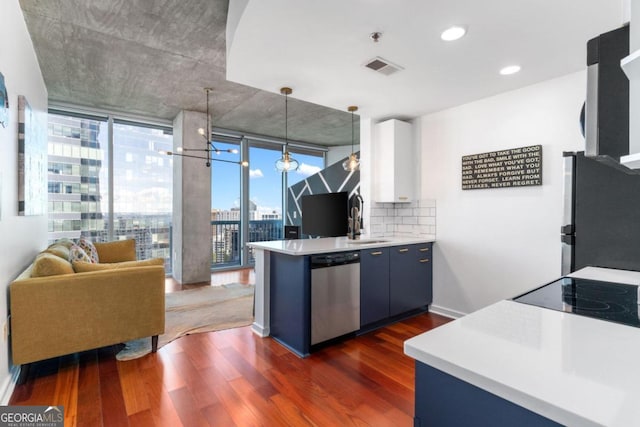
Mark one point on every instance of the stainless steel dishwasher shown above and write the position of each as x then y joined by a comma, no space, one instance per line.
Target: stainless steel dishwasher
335,295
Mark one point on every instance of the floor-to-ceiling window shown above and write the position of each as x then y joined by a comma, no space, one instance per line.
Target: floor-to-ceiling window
265,195
81,200
226,206
143,188
78,178
262,205
310,164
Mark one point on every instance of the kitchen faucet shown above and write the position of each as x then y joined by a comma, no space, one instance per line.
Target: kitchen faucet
355,218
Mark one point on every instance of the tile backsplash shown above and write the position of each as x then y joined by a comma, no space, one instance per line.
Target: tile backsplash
417,218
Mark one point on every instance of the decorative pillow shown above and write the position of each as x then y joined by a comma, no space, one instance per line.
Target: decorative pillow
58,249
47,264
65,242
76,253
84,267
118,251
89,249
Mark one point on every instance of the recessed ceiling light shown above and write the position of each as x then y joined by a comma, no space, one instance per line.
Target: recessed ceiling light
511,69
453,33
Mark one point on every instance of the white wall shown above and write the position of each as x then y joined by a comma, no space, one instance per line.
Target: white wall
495,244
22,237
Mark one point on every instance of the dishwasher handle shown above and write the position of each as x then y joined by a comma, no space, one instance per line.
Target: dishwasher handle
333,259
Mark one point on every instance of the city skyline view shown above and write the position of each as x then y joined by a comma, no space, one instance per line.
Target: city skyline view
128,192
265,181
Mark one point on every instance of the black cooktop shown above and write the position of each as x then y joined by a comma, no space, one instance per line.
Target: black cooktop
615,302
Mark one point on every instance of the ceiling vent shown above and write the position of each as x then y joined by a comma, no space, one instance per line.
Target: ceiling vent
382,66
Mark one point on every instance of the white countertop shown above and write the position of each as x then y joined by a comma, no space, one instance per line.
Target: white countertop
572,369
335,244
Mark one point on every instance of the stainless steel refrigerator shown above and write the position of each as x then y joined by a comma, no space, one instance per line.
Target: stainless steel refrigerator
601,225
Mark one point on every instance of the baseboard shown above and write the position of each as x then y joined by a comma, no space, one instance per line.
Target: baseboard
8,385
446,312
260,331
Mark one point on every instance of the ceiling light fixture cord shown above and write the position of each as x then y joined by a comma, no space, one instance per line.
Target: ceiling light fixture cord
286,163
352,163
352,131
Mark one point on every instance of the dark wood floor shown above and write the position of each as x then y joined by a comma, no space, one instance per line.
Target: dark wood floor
233,377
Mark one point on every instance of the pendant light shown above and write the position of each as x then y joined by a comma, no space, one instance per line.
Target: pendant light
352,163
209,147
286,163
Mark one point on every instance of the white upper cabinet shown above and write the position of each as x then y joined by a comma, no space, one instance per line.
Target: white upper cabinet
393,154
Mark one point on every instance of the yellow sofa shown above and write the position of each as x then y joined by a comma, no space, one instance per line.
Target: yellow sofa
115,301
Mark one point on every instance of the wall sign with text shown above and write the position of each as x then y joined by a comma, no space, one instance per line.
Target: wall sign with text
516,167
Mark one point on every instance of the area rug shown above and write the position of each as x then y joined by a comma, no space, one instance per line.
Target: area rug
205,309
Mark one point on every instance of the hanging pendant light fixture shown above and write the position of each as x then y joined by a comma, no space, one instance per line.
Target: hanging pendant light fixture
286,163
352,163
209,147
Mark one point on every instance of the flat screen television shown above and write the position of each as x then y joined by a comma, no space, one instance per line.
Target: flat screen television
325,215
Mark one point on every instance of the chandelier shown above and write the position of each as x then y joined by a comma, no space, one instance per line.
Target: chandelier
210,148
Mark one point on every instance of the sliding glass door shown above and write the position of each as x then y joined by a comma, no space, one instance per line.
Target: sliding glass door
226,212
247,203
265,196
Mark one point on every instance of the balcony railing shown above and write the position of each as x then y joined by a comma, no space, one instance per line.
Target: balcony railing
227,244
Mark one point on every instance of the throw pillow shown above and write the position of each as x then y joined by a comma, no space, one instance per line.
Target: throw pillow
89,249
76,253
58,249
65,242
118,251
47,264
85,267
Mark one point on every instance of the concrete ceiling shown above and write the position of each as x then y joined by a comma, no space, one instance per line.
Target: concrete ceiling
154,57
321,47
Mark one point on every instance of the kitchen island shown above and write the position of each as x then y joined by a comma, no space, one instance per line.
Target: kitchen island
285,263
517,364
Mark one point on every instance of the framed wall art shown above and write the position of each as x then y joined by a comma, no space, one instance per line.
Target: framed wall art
32,162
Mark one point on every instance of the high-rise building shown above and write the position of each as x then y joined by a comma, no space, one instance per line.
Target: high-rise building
79,177
74,165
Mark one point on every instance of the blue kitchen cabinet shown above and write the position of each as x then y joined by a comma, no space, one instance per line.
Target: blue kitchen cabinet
290,302
444,400
410,278
374,285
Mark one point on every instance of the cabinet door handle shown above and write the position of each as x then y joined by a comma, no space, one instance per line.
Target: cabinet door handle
424,249
376,253
403,250
424,260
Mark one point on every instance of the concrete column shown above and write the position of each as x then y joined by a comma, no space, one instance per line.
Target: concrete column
192,241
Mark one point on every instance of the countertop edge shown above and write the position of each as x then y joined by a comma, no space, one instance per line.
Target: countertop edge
499,389
340,244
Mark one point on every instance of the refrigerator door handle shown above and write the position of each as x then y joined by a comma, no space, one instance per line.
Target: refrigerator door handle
568,216
568,239
567,229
